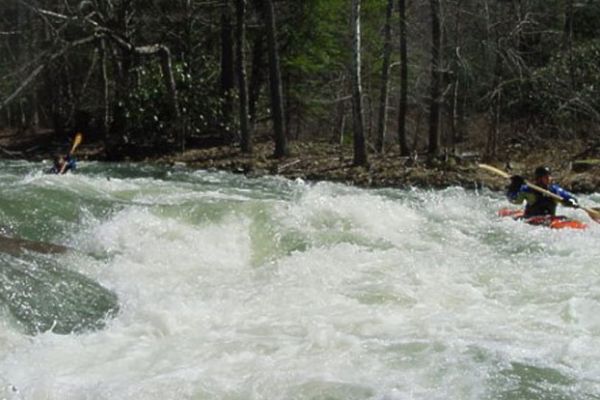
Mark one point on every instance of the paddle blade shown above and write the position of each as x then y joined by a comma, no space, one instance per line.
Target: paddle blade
594,213
76,142
494,170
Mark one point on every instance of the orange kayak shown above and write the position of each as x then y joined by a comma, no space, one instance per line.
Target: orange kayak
550,221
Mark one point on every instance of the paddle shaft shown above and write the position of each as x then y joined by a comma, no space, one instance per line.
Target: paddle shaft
595,215
531,185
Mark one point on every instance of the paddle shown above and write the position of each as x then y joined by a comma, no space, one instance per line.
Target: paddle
593,213
76,142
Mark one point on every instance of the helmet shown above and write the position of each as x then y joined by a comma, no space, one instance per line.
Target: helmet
542,171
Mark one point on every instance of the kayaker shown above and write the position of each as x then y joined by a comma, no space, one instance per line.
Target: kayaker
62,164
537,203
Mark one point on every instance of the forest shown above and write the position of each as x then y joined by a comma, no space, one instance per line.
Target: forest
420,76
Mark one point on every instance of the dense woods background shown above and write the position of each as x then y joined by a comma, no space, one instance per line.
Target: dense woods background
428,76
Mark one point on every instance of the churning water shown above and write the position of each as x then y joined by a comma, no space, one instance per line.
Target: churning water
181,284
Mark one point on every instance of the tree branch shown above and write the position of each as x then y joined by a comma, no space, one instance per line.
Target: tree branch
33,75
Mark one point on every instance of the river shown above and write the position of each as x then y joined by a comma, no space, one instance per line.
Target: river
183,284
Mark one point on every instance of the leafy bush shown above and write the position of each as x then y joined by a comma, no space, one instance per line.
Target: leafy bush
148,108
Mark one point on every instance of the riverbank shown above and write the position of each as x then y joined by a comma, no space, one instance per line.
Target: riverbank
573,162
320,161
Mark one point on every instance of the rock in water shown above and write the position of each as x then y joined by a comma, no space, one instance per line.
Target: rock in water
16,246
40,295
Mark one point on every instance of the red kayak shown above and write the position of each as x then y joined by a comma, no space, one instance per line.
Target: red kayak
550,221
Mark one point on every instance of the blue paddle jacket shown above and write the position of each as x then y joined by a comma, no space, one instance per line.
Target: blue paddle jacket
538,203
71,165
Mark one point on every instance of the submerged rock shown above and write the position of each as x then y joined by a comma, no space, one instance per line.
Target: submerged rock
41,295
16,246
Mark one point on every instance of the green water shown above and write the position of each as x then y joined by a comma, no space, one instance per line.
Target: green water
41,290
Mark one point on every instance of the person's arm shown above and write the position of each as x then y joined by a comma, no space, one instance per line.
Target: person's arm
517,191
568,199
67,165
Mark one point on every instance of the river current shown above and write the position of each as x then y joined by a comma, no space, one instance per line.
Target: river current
184,284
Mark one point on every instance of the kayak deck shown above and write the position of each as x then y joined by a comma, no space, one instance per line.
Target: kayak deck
550,221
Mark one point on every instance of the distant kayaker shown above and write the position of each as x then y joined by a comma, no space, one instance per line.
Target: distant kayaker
62,164
538,203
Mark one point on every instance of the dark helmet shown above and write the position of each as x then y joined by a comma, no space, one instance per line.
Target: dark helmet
542,171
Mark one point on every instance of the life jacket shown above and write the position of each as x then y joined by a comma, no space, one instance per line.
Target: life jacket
542,205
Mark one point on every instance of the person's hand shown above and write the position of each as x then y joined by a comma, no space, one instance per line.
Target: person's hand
516,181
571,202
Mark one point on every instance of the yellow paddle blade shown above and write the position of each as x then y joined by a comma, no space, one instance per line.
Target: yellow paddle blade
594,213
76,141
494,170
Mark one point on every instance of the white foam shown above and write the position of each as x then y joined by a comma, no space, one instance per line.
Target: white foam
314,291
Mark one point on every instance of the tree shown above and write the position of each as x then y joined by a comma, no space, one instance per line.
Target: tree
436,80
227,70
163,75
281,147
385,77
245,134
496,95
360,152
457,72
404,150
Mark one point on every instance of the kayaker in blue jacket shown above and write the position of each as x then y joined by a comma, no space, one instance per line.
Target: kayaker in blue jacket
62,164
538,203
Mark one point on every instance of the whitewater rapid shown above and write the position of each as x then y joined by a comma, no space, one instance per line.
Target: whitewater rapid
237,288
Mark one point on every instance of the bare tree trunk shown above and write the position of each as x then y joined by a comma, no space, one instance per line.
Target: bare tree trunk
32,48
495,104
436,81
21,50
360,153
257,75
281,147
227,70
495,107
189,69
118,127
122,63
169,81
385,77
496,125
404,150
106,89
287,107
456,118
71,100
340,123
245,134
